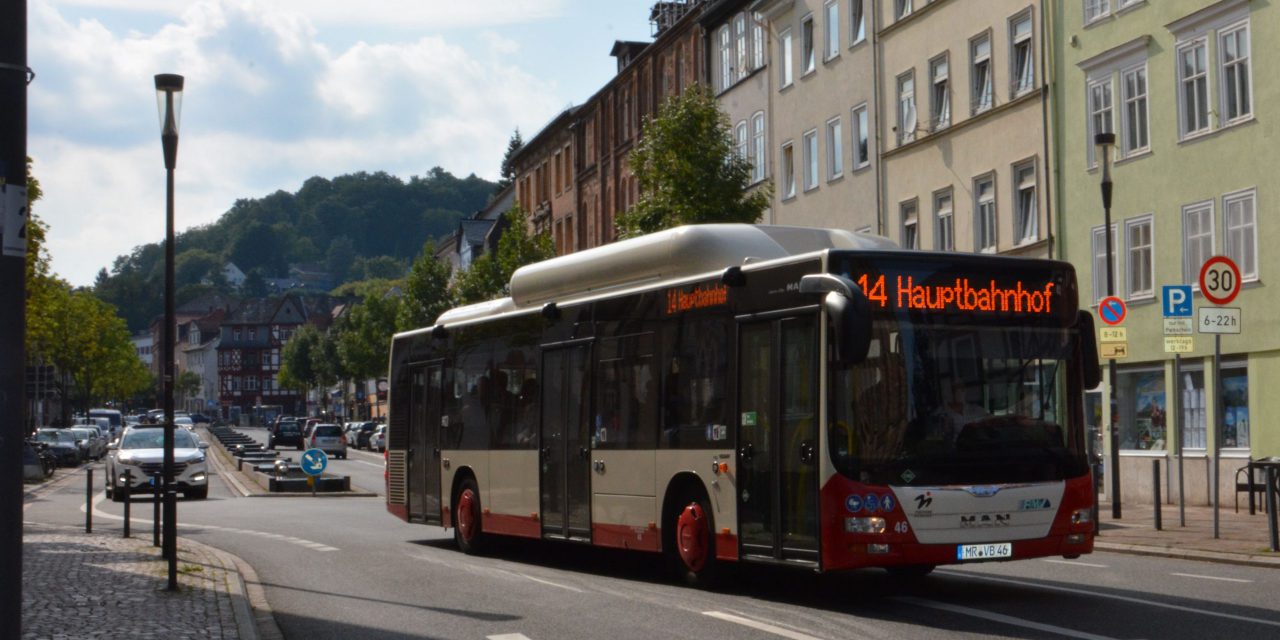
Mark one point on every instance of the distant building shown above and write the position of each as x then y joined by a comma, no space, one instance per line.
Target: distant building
142,345
233,275
199,355
183,315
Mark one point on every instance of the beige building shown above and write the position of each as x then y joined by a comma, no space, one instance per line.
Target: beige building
963,142
545,182
822,116
738,74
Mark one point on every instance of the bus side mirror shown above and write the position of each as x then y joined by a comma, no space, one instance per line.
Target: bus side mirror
849,312
1090,364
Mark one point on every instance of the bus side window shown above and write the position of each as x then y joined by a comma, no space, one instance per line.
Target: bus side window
626,400
695,404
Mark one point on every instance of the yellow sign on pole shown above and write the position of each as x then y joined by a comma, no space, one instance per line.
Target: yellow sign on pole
1179,344
1113,334
1111,350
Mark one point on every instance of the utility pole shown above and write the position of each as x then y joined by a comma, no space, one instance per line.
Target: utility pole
13,296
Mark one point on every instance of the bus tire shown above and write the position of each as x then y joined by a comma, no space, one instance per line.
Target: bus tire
693,550
466,518
910,571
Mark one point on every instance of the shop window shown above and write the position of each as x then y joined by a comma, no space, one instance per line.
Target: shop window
1194,425
1235,406
1141,406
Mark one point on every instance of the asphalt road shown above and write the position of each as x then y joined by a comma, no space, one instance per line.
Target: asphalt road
344,568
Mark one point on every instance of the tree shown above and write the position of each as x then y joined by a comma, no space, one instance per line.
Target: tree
426,291
489,276
364,336
310,360
187,385
255,285
688,170
338,260
514,145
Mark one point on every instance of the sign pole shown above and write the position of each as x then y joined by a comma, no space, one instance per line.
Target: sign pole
1182,425
1217,425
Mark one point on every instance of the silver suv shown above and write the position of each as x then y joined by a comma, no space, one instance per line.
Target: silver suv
141,452
329,439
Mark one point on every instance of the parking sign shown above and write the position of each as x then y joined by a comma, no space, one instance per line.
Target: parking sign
1177,301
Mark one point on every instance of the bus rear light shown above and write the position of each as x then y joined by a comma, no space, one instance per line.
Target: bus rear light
877,549
864,525
1082,516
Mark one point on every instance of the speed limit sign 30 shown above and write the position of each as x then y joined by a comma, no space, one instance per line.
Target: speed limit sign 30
1220,280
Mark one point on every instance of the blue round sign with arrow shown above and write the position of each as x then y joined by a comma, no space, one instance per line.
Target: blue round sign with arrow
314,462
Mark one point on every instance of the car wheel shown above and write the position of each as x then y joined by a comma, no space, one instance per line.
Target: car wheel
693,549
197,494
466,519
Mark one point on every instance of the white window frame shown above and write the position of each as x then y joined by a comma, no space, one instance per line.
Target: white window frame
758,145
1246,77
1194,244
740,44
1026,223
944,220
809,146
740,139
981,98
785,77
1016,85
808,47
788,170
1095,10
1135,105
1140,259
940,92
831,11
909,228
1201,82
857,22
757,41
1098,113
726,57
1231,247
908,113
979,241
835,150
902,9
1098,242
860,121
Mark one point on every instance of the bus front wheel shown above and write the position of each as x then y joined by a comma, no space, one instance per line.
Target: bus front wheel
693,552
466,518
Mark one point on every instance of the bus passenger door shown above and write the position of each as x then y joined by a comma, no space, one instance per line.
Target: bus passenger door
565,456
777,439
424,447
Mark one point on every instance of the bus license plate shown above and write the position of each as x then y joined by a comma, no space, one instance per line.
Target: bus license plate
969,552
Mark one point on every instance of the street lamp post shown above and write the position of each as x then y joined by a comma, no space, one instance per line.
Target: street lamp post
169,101
1104,142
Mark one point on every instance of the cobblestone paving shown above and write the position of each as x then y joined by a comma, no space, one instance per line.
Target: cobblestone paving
78,585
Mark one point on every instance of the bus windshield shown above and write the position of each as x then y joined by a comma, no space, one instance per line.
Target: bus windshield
952,404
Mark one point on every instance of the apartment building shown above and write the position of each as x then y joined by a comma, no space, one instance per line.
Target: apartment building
1175,81
546,185
822,114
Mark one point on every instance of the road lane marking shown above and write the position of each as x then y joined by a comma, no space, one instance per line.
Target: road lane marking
367,463
1076,563
1192,575
550,583
1093,594
508,636
761,626
1003,619
318,546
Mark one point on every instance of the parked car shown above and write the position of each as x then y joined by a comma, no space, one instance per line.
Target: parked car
349,430
62,444
114,418
329,439
201,419
307,425
91,440
33,469
184,421
141,451
378,441
361,434
286,433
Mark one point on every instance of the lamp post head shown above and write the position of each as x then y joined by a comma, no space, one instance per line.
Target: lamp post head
169,104
1104,142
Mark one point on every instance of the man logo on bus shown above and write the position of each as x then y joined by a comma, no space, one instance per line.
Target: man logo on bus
924,500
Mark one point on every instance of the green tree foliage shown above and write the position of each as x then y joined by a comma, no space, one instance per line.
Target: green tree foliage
310,360
514,145
688,170
426,291
364,336
195,265
378,268
489,276
338,260
187,385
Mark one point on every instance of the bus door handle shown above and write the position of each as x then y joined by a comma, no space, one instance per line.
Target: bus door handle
807,453
746,452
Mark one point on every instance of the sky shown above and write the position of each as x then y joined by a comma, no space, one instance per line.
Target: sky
278,91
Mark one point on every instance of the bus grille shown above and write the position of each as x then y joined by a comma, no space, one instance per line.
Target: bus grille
396,477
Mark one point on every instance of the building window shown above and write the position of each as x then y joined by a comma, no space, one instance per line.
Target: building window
740,37
784,59
835,149
1193,88
1100,288
757,41
1027,222
1234,54
1235,405
910,224
1140,400
944,234
1099,114
907,107
1197,240
808,53
788,171
980,72
1022,60
939,93
857,22
832,12
726,58
862,138
740,139
1095,10
811,159
1194,425
758,147
901,9
251,383
1139,267
1240,237
1133,83
984,211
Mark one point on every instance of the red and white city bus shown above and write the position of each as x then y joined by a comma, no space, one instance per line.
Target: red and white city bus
744,393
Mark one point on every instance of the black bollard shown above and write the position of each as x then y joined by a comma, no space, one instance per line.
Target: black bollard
155,517
88,502
1155,490
128,485
1271,508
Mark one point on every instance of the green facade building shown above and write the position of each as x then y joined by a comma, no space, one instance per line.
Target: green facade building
1190,88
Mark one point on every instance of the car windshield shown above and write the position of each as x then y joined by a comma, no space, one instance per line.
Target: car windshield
288,427
328,431
54,437
85,433
154,439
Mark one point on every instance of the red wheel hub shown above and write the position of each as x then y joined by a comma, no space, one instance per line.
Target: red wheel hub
692,535
467,514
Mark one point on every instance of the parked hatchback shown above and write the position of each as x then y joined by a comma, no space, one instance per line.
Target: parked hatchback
329,439
378,441
286,433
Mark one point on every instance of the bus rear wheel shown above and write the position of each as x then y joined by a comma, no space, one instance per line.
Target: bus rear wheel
466,518
693,552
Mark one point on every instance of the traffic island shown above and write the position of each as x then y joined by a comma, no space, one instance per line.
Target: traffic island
295,481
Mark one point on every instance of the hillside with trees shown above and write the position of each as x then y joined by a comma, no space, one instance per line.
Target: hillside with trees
355,227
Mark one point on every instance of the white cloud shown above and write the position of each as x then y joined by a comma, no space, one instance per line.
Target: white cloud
410,14
266,107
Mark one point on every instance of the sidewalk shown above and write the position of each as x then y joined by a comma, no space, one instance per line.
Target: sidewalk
100,585
1243,539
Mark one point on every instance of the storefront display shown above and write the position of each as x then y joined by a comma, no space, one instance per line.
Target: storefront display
1140,396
